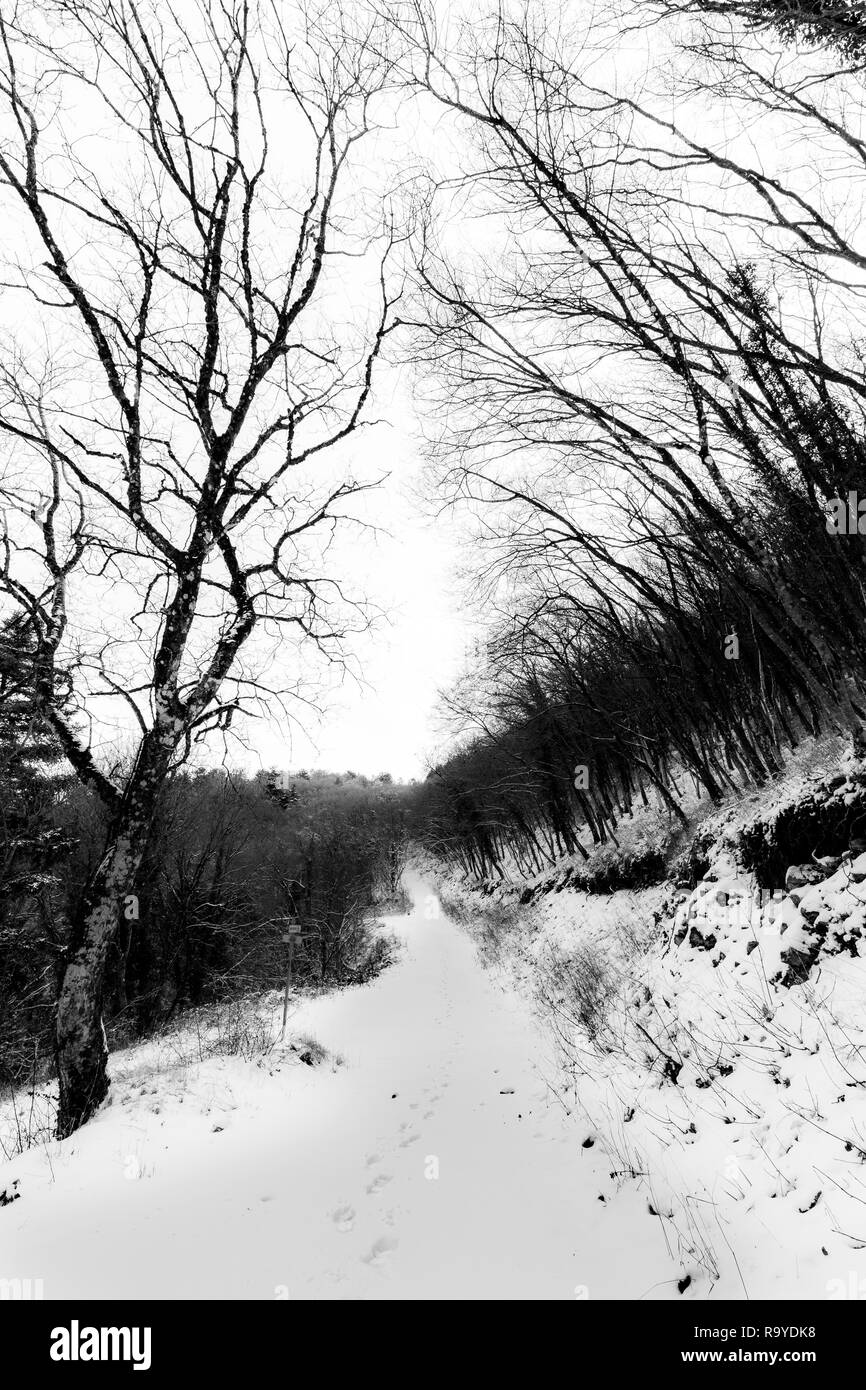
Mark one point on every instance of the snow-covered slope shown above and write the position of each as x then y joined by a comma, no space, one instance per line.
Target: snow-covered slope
715,1041
432,1161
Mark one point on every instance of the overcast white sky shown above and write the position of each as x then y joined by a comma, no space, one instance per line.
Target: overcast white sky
388,723
411,571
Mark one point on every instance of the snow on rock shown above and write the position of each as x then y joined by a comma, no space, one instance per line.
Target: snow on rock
714,1043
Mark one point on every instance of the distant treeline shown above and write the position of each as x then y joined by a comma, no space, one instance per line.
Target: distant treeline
591,713
230,860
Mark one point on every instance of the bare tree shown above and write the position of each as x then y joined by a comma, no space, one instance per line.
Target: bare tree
671,335
652,395
185,372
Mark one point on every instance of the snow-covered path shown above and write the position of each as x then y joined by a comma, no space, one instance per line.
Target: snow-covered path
434,1164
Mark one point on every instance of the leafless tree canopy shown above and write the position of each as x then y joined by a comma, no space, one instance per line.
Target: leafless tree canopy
170,409
654,399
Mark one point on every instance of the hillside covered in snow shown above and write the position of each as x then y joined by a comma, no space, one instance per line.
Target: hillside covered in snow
710,1033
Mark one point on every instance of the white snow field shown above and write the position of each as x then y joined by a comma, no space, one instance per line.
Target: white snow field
433,1162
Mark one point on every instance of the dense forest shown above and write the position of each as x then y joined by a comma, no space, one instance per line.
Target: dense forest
232,860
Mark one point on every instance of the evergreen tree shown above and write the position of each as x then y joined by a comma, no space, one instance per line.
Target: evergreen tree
32,847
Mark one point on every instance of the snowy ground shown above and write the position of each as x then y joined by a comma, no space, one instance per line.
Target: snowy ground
736,1100
434,1162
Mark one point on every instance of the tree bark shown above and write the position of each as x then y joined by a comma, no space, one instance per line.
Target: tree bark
82,1054
80,1045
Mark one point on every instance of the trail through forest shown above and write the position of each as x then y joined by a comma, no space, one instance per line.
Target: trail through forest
434,1162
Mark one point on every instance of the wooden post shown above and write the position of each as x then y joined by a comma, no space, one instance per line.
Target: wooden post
289,939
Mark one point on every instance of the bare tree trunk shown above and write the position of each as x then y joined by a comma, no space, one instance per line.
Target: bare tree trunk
80,1044
82,1054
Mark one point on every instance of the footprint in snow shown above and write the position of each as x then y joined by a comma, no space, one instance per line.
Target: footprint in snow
373,1158
344,1217
381,1180
410,1139
380,1252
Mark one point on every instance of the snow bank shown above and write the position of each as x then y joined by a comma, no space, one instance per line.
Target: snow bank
715,1047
